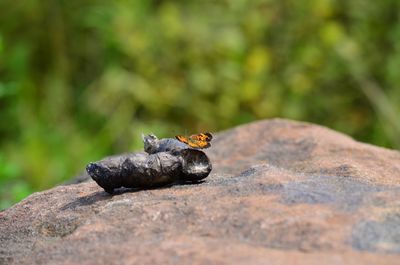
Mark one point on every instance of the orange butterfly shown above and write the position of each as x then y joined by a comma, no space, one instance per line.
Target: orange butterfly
201,140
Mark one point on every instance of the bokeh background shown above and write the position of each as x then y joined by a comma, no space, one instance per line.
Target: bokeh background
80,80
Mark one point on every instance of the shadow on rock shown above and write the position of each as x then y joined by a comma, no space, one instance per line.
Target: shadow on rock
86,200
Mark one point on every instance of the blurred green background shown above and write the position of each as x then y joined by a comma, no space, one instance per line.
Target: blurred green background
80,80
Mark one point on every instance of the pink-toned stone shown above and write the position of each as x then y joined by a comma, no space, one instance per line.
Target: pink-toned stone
281,192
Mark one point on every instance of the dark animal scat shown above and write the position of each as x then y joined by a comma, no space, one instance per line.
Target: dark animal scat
164,161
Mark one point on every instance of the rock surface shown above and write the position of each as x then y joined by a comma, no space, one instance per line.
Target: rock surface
281,192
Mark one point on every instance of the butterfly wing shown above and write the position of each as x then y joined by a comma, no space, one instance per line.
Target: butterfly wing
199,144
182,139
201,140
206,136
201,137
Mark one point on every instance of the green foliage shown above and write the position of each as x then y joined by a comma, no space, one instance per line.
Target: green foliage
80,80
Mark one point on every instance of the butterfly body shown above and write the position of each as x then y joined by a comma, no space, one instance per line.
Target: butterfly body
200,141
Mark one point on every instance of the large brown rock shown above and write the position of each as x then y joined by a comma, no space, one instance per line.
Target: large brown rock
281,192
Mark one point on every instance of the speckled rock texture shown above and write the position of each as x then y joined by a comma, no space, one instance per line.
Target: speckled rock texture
281,192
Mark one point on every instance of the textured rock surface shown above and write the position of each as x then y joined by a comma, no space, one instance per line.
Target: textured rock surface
281,192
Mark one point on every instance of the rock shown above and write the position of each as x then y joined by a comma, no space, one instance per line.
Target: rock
281,192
